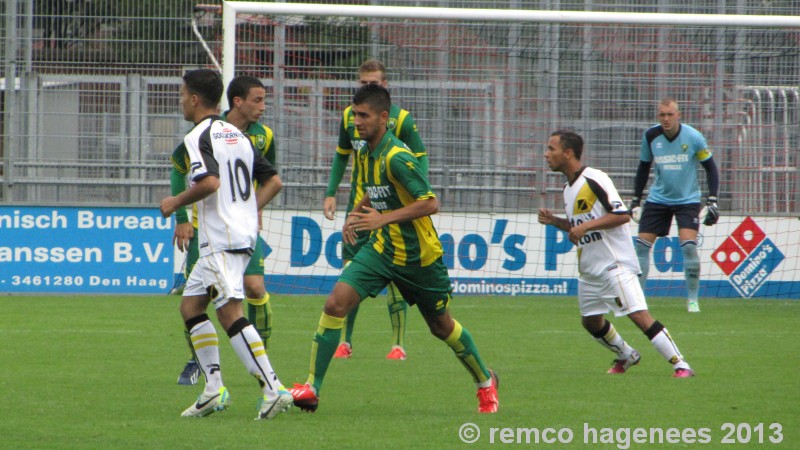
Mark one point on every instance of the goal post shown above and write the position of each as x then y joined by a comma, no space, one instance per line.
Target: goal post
487,86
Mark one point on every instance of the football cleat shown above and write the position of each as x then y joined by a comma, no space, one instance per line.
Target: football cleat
268,409
622,365
304,397
397,353
344,350
190,374
683,373
208,403
487,397
693,305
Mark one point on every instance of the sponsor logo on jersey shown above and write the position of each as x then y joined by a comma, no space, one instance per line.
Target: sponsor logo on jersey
357,144
231,137
747,257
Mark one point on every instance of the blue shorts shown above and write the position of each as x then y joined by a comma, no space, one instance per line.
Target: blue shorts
657,217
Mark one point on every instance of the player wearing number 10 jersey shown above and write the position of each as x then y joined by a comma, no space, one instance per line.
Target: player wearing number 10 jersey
223,167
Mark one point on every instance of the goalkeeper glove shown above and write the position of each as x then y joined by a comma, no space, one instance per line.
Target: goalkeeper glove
635,209
711,212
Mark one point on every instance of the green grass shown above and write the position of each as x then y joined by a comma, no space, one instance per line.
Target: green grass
100,372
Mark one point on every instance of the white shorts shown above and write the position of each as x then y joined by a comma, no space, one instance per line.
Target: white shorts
219,275
617,290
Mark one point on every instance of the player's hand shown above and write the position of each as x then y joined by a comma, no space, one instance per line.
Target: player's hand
576,233
367,220
329,207
349,235
546,217
711,212
635,209
168,206
184,232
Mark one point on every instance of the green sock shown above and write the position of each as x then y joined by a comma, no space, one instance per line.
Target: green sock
259,313
349,324
323,346
467,352
398,309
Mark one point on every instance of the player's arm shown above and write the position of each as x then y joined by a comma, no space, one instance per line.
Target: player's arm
205,176
338,167
642,172
601,223
340,160
348,232
712,177
177,179
271,152
368,219
265,175
184,230
202,188
546,217
410,136
639,183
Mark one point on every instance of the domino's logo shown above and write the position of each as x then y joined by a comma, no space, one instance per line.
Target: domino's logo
747,257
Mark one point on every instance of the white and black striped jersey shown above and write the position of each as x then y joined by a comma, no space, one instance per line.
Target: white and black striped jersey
591,196
228,218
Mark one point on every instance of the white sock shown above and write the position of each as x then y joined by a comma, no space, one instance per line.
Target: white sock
250,349
614,342
206,346
666,346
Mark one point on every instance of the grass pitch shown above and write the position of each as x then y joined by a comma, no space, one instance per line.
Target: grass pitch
100,372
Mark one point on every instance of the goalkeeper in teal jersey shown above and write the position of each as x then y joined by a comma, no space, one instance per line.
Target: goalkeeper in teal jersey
402,125
677,150
403,247
246,97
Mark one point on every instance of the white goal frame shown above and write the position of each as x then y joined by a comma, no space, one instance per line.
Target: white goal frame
231,8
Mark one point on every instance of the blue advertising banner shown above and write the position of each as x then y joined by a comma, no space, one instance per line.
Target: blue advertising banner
85,250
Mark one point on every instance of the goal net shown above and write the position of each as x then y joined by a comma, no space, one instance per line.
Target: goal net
487,87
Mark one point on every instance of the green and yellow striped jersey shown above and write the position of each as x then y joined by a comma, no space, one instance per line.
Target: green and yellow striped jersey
400,123
392,178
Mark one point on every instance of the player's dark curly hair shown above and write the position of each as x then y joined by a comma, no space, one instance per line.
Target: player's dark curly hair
240,86
570,140
375,95
206,84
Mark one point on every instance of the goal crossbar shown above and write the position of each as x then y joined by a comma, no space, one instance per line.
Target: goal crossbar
511,15
231,8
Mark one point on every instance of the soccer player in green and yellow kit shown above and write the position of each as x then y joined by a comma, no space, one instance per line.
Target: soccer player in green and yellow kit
402,125
246,97
403,248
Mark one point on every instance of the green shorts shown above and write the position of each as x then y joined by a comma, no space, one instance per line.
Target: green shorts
349,251
427,287
255,267
193,255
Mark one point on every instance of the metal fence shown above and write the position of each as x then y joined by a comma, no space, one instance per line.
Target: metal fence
90,102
